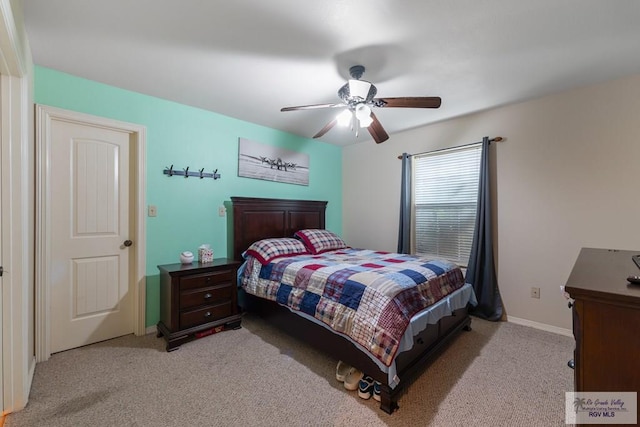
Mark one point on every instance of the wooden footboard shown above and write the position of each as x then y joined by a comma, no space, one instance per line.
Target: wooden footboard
410,364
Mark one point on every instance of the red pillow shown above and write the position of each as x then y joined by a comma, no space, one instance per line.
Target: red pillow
267,250
318,240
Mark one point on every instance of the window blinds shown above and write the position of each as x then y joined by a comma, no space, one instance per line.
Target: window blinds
445,196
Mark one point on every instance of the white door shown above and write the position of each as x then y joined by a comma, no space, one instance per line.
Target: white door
91,299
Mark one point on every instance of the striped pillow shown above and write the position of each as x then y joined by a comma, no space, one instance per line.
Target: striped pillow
318,241
267,250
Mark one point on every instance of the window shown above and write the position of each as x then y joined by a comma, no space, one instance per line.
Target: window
445,195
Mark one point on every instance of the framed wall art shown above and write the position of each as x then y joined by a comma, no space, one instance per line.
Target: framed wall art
261,161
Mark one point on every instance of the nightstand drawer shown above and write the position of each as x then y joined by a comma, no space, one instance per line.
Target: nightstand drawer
208,279
205,314
195,298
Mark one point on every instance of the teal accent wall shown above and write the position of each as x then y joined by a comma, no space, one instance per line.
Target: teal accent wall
186,136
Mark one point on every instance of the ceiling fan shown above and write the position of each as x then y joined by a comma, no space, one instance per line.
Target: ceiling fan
357,99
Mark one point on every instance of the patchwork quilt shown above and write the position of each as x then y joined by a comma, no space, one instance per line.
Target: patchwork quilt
367,295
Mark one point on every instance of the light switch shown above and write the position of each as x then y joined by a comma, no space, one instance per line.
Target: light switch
222,210
152,210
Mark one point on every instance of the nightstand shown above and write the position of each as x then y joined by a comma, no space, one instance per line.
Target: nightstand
196,299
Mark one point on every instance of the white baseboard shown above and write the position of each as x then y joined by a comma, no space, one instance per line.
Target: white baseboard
542,326
151,330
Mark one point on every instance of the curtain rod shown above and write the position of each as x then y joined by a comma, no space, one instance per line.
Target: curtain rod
496,139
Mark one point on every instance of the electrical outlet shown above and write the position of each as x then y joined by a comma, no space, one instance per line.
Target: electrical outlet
222,211
535,293
152,210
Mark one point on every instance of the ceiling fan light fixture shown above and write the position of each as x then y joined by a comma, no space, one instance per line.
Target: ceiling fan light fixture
363,114
366,122
359,89
344,118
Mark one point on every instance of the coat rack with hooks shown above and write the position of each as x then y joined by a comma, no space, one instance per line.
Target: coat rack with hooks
200,173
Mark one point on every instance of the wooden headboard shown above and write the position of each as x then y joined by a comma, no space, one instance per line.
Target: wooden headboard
255,219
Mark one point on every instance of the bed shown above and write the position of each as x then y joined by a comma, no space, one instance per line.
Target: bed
394,366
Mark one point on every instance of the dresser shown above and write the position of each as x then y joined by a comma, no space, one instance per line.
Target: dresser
606,320
197,299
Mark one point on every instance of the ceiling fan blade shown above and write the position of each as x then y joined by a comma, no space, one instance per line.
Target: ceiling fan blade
326,128
312,107
377,131
409,102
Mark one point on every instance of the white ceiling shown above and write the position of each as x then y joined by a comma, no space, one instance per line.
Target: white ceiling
248,58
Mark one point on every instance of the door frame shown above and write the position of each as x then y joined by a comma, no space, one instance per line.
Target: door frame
137,271
16,225
2,230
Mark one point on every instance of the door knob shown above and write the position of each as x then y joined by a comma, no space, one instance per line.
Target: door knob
128,243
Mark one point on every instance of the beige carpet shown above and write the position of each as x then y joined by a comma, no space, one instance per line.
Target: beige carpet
499,374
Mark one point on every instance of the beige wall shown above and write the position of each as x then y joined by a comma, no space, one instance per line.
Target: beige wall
565,177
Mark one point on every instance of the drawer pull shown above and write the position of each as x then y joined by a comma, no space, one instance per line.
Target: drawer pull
208,279
207,295
207,314
570,304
